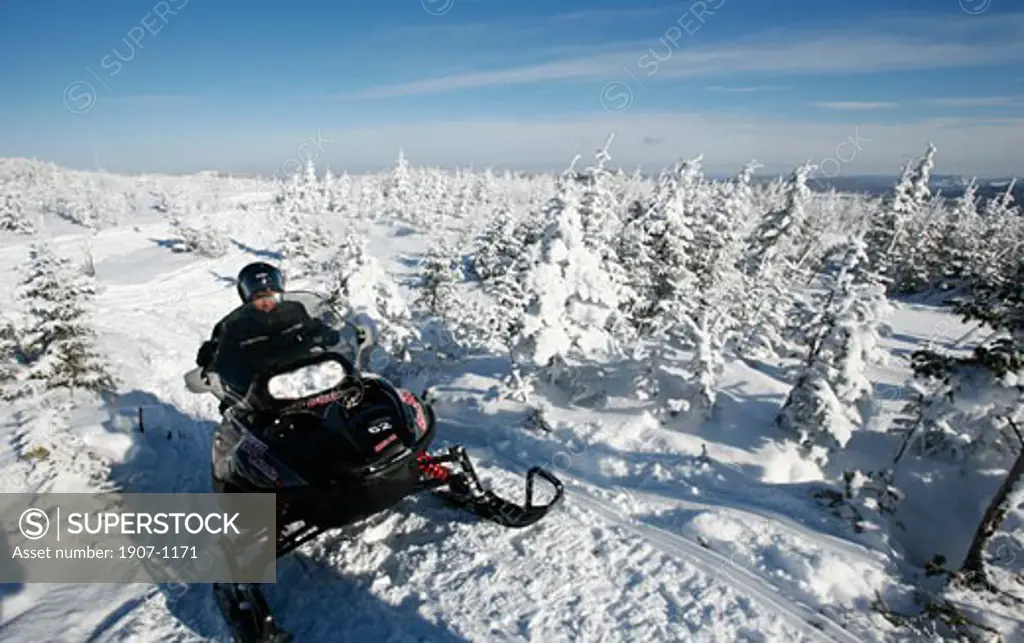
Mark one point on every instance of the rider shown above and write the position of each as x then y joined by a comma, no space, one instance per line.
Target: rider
264,314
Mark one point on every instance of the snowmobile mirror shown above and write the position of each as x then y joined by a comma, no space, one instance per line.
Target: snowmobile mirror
365,336
195,382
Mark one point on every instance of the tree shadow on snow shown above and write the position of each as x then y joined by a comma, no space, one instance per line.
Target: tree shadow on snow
410,261
169,244
15,573
739,419
227,280
170,451
319,603
316,603
913,340
778,372
263,254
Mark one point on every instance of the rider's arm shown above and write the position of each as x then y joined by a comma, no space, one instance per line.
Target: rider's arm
209,348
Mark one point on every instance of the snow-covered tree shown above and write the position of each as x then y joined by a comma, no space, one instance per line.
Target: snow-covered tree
774,242
503,321
888,236
598,207
1002,234
772,265
347,259
960,238
340,195
497,246
825,406
202,238
59,341
919,262
636,256
668,228
310,194
463,201
440,273
298,212
572,297
297,245
360,285
398,192
12,212
716,265
9,362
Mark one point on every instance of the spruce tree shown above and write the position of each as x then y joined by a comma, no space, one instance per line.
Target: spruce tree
10,367
888,237
12,212
771,267
59,342
825,406
572,296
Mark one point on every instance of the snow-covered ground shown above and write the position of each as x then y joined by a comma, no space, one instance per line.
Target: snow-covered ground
677,530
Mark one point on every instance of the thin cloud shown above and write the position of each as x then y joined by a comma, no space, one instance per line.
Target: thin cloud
531,24
979,101
854,104
153,99
749,89
846,50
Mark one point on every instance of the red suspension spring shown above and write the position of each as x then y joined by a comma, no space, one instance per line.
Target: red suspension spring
431,469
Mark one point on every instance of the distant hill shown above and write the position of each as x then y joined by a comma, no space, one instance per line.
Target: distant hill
950,186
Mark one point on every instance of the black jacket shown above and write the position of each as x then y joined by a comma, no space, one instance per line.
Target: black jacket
241,334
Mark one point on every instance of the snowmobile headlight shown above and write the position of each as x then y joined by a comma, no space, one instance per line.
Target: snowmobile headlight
306,381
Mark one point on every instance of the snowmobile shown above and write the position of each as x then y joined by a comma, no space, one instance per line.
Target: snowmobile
305,420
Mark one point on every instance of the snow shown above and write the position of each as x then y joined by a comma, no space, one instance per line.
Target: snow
690,527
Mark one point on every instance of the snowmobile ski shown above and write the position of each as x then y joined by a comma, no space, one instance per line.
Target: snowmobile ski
247,614
466,491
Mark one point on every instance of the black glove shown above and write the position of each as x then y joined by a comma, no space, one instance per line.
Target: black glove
206,353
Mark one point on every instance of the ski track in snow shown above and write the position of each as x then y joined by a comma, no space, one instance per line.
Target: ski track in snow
797,615
423,571
813,624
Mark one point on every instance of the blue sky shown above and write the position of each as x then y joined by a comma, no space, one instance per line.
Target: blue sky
186,85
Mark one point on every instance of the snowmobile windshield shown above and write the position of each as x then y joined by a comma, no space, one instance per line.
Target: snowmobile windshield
256,341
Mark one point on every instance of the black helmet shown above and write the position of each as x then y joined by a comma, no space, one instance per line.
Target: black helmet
258,277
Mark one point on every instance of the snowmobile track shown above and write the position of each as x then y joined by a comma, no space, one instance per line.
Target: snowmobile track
737,507
816,625
800,616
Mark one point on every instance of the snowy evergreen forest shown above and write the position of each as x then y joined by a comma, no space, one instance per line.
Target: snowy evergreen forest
606,291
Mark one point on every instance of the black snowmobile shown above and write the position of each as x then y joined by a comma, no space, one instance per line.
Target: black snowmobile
334,450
